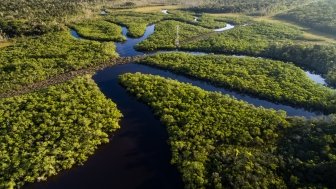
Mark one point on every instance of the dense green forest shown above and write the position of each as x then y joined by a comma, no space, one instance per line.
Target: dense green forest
274,80
135,22
251,7
277,41
309,152
53,129
166,32
320,15
318,57
35,17
200,122
202,19
243,39
35,59
219,142
99,30
216,140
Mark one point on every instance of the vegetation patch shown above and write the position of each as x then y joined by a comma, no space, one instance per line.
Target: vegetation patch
219,142
249,39
35,59
277,41
99,30
309,152
203,125
204,20
166,34
274,80
251,7
36,17
53,129
320,15
135,22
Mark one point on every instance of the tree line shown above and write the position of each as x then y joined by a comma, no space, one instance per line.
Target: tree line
220,142
35,59
320,15
45,132
274,80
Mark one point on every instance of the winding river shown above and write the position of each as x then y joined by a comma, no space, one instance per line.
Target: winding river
138,155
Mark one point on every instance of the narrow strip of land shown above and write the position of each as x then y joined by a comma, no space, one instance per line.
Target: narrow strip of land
67,76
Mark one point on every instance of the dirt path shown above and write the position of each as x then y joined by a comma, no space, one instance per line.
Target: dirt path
67,76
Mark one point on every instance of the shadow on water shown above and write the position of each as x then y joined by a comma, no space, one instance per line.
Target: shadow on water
115,71
126,48
138,155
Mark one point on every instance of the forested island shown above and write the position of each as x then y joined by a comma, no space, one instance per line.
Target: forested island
167,94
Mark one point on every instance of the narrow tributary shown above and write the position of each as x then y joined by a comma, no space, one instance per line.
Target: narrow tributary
138,155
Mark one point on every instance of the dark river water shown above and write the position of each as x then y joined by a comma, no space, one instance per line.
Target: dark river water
138,155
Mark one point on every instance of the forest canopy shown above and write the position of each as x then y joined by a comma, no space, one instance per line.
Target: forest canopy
44,132
320,15
99,30
274,80
251,7
35,59
219,142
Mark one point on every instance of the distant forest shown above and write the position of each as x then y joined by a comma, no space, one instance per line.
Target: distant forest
320,16
251,7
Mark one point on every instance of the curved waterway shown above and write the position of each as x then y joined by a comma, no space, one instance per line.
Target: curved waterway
138,155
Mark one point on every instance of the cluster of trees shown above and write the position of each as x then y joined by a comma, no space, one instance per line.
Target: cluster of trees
202,19
53,129
219,142
249,39
35,59
318,57
35,17
135,22
274,80
99,30
166,34
308,149
275,41
252,7
320,15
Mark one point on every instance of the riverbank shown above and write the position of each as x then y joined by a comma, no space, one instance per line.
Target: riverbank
66,76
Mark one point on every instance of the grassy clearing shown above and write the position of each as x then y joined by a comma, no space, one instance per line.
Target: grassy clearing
312,35
5,44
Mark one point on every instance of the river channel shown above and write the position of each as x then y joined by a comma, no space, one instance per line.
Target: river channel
138,155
